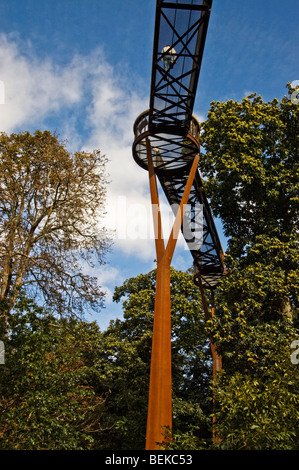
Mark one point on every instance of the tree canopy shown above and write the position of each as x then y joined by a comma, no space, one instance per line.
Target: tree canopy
66,384
251,169
125,363
51,204
48,386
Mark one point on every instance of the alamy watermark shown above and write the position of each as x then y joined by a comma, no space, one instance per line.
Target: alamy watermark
295,354
2,353
135,221
295,95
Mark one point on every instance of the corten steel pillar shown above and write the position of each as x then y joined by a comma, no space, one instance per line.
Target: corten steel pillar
159,420
217,366
217,359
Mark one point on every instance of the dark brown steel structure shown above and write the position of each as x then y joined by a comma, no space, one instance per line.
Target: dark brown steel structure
167,145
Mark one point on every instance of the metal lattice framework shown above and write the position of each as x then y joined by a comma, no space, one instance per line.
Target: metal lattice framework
167,145
171,128
198,227
182,26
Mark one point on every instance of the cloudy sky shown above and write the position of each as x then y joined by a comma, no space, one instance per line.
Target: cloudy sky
82,68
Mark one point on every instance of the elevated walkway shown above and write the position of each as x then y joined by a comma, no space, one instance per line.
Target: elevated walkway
173,131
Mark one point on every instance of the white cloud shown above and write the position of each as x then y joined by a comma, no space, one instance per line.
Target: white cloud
34,88
108,276
93,105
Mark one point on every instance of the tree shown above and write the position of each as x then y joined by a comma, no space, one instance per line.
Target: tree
125,364
251,166
257,393
252,169
51,203
48,397
252,180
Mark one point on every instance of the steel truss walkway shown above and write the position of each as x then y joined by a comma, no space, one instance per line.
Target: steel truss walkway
172,129
167,145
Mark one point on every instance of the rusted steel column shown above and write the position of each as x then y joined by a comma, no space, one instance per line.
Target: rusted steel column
159,241
159,420
181,210
217,366
217,359
160,396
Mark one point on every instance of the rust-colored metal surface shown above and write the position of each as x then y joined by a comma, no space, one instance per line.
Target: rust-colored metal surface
159,421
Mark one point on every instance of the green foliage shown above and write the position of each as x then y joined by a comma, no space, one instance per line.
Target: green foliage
51,202
251,166
255,325
125,363
251,163
259,412
47,385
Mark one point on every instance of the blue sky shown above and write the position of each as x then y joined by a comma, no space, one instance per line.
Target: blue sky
82,68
